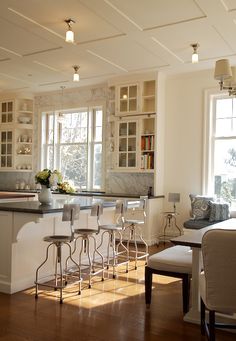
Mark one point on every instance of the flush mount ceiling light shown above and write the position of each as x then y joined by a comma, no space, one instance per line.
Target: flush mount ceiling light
226,76
195,53
76,75
69,32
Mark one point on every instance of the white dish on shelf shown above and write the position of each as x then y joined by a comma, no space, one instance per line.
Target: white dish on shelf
24,119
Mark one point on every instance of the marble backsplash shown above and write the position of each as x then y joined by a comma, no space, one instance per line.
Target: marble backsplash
135,183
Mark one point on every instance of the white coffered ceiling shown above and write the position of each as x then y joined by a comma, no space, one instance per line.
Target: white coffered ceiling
112,37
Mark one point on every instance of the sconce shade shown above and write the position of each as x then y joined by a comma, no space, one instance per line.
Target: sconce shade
174,197
222,70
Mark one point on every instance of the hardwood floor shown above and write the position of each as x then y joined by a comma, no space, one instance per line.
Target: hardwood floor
112,310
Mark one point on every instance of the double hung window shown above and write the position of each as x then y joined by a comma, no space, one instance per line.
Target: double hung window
222,148
72,143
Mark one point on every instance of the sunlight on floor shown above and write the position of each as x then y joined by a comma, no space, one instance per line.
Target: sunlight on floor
102,292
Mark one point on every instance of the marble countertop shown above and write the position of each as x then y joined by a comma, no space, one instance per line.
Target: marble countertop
7,195
56,206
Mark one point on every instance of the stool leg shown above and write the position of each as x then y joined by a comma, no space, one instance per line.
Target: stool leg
125,248
77,265
37,271
99,253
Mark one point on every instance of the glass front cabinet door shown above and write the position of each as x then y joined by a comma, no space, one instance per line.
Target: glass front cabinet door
127,144
128,99
6,149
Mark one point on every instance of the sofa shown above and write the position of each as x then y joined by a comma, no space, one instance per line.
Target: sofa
205,211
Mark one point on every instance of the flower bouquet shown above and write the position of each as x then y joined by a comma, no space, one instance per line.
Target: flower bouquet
66,187
48,178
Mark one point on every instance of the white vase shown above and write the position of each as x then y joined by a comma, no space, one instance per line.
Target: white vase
45,196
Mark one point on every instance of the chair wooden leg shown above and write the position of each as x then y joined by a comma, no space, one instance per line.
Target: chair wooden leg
211,325
185,292
148,285
203,317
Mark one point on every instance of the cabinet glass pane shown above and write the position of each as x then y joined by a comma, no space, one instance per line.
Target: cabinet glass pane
132,144
9,161
132,105
9,136
4,107
3,149
9,118
131,160
124,106
4,118
123,129
9,148
122,159
133,91
124,92
3,161
123,144
10,106
3,136
132,128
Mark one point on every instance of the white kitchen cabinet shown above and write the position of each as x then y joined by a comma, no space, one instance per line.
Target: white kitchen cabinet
16,135
127,99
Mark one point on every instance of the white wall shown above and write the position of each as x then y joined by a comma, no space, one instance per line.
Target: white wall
184,136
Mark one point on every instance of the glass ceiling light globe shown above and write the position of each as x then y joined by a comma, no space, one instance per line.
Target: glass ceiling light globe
76,77
69,36
194,58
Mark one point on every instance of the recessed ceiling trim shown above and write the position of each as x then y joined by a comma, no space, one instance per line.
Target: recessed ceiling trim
15,78
52,83
101,39
42,51
107,60
123,15
5,59
226,7
16,89
35,22
168,50
220,35
10,51
174,23
46,66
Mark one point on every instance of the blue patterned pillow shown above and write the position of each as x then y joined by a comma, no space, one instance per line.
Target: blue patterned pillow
200,206
218,212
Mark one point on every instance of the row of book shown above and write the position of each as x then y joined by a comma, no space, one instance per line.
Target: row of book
147,161
147,142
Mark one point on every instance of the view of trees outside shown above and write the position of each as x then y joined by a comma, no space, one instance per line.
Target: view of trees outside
75,147
225,150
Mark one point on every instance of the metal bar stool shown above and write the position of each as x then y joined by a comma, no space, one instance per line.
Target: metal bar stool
86,235
133,226
70,213
119,252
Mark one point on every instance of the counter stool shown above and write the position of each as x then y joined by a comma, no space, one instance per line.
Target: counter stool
120,253
134,225
87,235
70,213
176,262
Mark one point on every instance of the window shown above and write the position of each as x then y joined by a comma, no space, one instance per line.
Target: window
72,143
222,148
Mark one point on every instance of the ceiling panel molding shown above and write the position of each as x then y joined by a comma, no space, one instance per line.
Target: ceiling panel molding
174,23
42,51
101,39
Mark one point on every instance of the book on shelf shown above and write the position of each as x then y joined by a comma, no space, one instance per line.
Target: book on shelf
147,161
147,142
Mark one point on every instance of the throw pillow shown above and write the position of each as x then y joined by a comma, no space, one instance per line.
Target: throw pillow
218,212
200,206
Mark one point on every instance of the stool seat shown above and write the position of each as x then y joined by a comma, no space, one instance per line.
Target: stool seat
111,227
173,259
134,221
85,231
57,239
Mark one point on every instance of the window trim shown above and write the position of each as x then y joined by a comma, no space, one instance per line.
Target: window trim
91,109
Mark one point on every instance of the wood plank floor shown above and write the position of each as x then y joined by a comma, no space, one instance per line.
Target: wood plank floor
112,310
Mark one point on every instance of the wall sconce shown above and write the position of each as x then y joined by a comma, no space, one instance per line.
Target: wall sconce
226,76
69,32
76,75
195,53
60,115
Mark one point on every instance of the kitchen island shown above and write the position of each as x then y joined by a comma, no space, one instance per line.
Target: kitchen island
22,228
